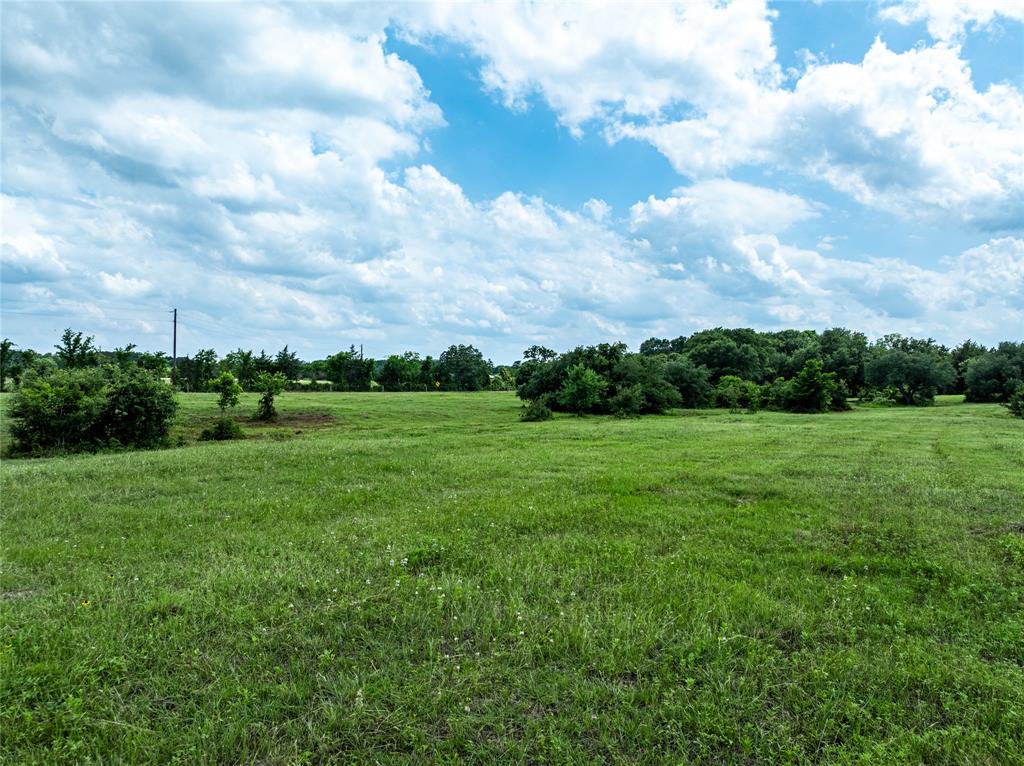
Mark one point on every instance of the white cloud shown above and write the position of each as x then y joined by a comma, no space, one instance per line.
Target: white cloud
949,19
121,286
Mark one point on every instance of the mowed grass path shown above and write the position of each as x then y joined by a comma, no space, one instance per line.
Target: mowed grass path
425,579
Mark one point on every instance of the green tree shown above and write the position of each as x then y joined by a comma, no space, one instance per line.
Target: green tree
692,381
269,384
811,389
348,371
288,364
228,389
582,389
960,356
241,364
916,376
399,372
463,368
76,351
6,348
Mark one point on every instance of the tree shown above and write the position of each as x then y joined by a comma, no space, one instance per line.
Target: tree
995,375
75,351
915,376
6,347
348,371
226,385
463,368
960,356
269,385
125,357
399,373
653,346
193,373
1015,404
693,382
844,353
735,393
288,364
811,390
582,389
241,364
724,356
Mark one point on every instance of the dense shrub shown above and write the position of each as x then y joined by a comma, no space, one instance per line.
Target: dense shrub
139,408
89,408
269,385
536,410
581,390
811,389
224,429
735,393
627,402
1016,402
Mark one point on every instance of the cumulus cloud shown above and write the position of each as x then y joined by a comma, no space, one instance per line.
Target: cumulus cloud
949,19
906,132
263,169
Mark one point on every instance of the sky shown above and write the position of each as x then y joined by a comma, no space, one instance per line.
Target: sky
409,176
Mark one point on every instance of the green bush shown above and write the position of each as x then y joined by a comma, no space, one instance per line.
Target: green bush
1015,404
811,389
89,408
536,410
224,429
581,390
736,394
139,408
269,385
628,402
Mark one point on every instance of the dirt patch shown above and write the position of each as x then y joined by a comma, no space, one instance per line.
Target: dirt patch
298,420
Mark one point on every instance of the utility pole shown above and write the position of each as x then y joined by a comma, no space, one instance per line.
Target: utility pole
174,349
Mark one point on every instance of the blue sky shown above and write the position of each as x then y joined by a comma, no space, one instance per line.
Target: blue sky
414,175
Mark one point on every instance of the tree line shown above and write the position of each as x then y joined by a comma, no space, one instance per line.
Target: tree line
794,370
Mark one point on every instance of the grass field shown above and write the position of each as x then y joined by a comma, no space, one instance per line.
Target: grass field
423,579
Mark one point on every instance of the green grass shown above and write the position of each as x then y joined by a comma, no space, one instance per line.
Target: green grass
422,578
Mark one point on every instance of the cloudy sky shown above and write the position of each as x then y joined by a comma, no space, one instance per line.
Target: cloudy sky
410,176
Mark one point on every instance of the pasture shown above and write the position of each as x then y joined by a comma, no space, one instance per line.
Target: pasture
421,578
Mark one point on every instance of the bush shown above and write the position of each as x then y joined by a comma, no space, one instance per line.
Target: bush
915,376
224,429
811,389
139,408
1015,404
736,393
628,402
90,408
536,410
582,389
270,385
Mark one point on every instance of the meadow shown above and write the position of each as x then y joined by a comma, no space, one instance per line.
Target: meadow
422,578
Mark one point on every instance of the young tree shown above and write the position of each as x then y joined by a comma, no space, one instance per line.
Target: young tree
811,390
226,385
75,351
582,389
269,385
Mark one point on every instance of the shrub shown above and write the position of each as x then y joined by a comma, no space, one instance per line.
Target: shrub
1015,404
270,385
994,376
139,408
736,393
628,401
536,410
224,429
582,389
811,389
89,408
